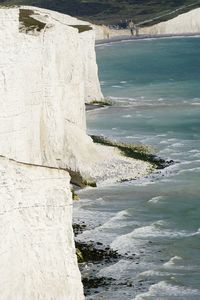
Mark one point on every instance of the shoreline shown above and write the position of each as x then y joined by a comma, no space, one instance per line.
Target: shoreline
129,38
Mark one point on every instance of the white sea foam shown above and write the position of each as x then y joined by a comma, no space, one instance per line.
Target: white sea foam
192,170
196,155
118,221
118,98
125,243
117,86
164,142
194,151
172,140
196,233
163,289
126,116
154,273
156,199
161,135
115,270
141,235
173,261
175,145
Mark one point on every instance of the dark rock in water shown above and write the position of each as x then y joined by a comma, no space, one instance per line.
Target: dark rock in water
161,163
92,253
98,243
129,283
96,282
79,228
95,255
141,152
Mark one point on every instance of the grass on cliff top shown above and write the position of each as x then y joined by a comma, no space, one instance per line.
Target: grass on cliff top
81,28
112,11
136,151
80,181
28,22
104,102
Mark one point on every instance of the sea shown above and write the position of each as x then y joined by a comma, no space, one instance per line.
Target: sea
155,221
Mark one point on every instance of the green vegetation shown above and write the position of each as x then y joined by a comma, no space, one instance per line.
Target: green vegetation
28,22
112,11
78,180
89,182
75,196
79,256
81,28
104,102
135,151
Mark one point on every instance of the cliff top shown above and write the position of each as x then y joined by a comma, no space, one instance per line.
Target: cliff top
112,11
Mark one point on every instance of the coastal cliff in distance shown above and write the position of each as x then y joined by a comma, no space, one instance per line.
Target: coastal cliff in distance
187,23
47,72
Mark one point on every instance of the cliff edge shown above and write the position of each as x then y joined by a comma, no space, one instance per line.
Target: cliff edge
47,72
44,82
186,23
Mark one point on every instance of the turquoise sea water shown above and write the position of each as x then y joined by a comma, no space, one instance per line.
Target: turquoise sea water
155,85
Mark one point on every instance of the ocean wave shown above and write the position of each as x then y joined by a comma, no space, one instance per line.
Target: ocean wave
118,221
153,273
124,244
196,233
126,116
124,99
161,135
117,86
164,142
194,151
141,235
115,270
173,261
177,145
196,155
192,170
162,289
156,199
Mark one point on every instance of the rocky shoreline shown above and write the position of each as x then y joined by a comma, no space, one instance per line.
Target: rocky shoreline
96,255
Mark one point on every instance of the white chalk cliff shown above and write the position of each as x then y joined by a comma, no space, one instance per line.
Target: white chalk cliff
37,259
45,79
188,23
47,72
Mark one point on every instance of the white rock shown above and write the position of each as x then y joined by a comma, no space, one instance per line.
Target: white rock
37,249
43,87
45,78
185,23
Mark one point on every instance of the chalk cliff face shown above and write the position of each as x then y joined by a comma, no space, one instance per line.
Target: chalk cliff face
37,247
47,72
45,78
185,23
